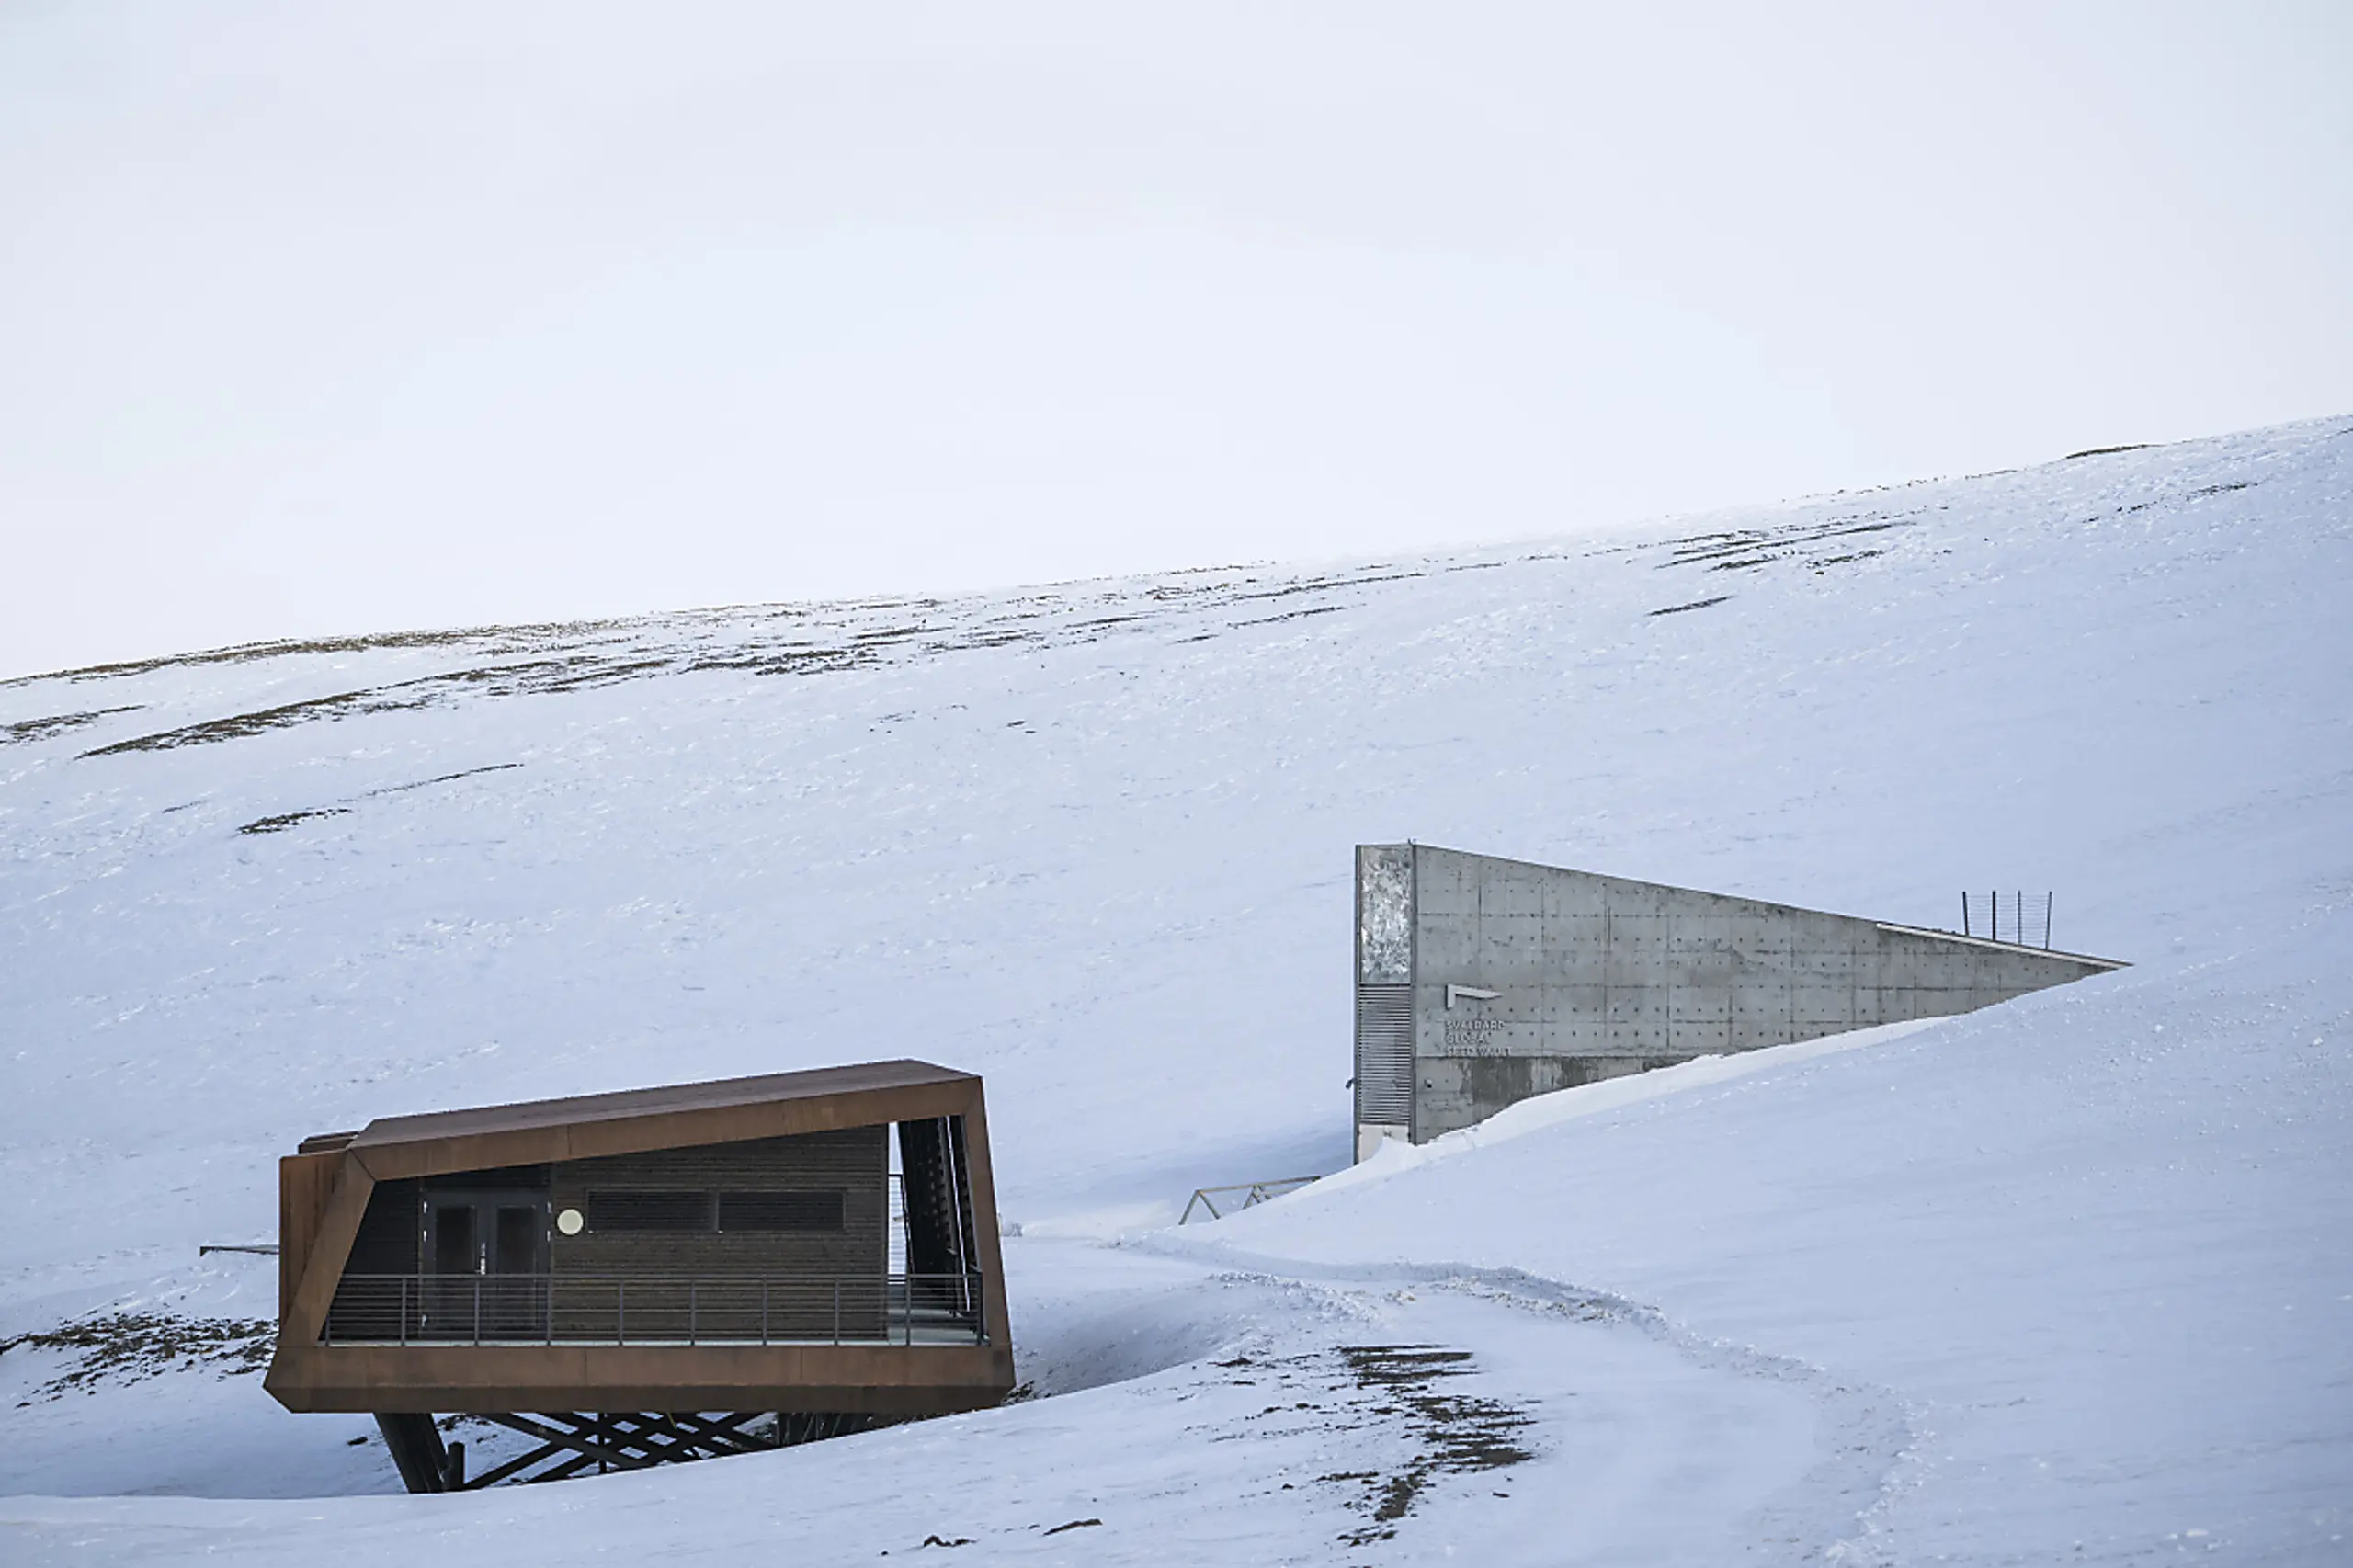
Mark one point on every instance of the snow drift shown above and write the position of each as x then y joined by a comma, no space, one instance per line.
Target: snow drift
2062,1281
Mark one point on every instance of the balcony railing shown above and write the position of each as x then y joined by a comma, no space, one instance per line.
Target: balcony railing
540,1309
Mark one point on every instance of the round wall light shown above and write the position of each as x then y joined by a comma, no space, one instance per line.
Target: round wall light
571,1221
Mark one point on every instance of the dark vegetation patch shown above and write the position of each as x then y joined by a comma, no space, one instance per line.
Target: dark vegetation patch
285,820
814,640
782,641
791,659
1377,1388
1741,547
575,672
1695,604
762,640
2103,451
244,653
1313,585
407,694
57,724
1291,615
444,778
1458,1434
2197,494
129,1347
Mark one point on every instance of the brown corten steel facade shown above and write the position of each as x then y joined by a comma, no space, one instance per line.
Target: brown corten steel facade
783,1123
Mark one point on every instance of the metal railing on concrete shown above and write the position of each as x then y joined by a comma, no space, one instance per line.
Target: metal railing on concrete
540,1309
2020,915
1217,1202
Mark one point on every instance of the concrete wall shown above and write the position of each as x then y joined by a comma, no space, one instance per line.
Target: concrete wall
1595,976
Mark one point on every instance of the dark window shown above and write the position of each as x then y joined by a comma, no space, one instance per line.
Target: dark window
453,1240
779,1211
519,1231
649,1211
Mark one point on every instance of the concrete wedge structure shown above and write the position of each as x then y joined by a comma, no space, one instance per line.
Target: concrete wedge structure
1482,981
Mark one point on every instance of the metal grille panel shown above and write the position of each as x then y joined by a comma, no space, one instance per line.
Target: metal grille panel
1385,1055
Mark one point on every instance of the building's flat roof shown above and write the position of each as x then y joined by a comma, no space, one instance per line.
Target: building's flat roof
629,1105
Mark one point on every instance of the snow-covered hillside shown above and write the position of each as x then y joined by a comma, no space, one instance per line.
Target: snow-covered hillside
2065,1281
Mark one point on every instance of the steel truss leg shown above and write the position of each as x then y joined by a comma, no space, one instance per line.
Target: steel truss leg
570,1443
416,1448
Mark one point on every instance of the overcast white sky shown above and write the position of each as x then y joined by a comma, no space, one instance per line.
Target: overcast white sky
340,318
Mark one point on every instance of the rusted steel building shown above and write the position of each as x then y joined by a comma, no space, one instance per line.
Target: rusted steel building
654,1274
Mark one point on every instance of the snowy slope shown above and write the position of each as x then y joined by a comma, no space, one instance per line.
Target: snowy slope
2064,1281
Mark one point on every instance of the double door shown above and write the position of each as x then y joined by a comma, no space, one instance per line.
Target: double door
486,1255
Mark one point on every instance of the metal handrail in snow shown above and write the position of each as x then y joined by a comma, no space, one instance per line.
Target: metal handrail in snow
1252,1194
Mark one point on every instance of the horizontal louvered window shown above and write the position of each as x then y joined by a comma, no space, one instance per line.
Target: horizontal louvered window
781,1211
649,1211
